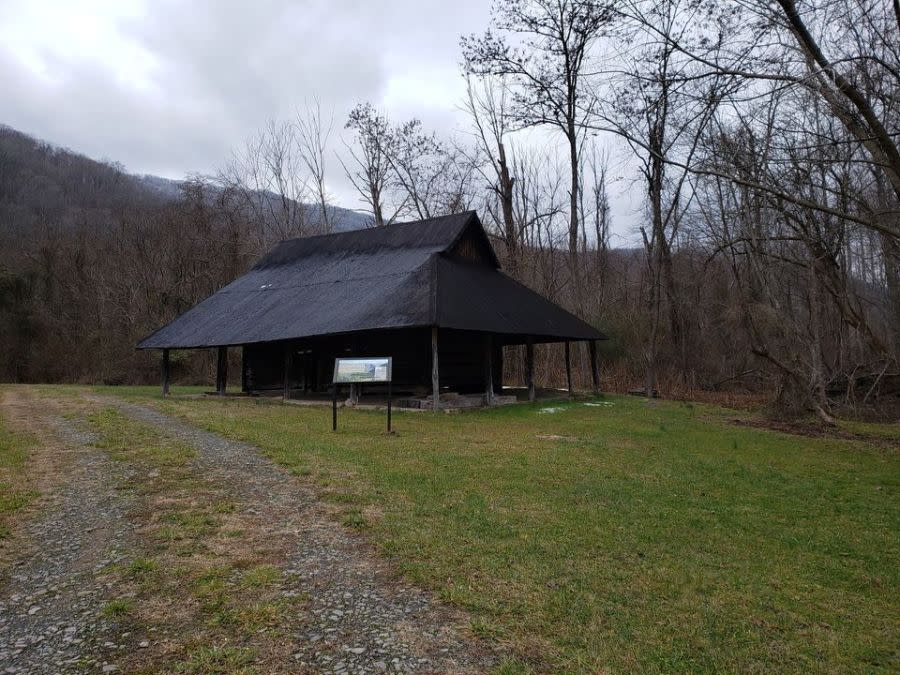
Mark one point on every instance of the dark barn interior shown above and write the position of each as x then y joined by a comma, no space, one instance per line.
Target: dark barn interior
461,358
430,294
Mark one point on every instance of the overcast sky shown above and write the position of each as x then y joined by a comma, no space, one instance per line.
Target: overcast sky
169,87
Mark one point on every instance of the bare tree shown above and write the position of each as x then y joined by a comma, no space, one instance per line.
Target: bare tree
431,176
487,106
804,303
652,100
278,178
370,169
600,215
312,135
546,68
266,177
770,47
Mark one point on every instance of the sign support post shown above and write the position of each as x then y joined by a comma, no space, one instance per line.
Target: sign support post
334,388
389,406
355,371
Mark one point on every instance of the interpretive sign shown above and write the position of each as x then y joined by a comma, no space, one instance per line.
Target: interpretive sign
361,370
369,369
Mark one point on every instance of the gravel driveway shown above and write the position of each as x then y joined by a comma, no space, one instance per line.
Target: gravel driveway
360,616
51,617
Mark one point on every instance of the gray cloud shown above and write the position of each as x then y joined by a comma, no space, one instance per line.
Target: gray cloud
216,71
168,87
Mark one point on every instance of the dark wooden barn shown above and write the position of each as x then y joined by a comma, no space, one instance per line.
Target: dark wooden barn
428,293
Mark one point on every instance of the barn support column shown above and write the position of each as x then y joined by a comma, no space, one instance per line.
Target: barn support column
488,369
222,370
165,372
286,378
435,372
595,370
569,371
529,367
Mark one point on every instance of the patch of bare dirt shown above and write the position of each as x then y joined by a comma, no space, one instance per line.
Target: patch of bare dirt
811,430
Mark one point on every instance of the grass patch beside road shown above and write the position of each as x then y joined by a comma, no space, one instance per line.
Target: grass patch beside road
137,392
201,590
126,440
14,450
625,535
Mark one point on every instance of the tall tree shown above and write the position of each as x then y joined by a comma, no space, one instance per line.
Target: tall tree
651,99
544,49
845,52
486,104
313,132
370,169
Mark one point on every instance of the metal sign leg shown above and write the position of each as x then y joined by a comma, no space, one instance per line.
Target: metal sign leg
389,406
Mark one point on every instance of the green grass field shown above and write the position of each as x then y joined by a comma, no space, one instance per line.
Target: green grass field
616,534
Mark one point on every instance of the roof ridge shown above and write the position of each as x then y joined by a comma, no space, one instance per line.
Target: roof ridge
432,234
468,213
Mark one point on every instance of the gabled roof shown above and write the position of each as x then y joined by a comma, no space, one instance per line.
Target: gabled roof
398,276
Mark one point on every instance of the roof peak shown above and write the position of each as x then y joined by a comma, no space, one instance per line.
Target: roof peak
434,220
433,235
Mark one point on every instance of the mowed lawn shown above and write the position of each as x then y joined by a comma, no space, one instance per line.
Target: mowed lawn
616,534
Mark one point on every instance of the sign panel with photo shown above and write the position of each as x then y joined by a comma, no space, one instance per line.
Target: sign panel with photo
364,369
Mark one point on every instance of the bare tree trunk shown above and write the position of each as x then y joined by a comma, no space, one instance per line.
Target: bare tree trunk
574,186
817,367
890,252
653,311
511,230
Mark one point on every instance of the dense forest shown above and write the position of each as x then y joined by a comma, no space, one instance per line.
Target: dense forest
764,137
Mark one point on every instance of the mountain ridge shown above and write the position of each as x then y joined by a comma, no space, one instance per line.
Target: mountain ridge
37,175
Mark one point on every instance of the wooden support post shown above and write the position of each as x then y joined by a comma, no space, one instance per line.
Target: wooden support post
569,371
286,380
165,372
488,369
305,369
595,370
529,367
222,371
435,372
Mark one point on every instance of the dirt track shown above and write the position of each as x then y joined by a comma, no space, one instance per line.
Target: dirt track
55,587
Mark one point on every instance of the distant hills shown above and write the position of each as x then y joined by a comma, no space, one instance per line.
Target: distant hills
65,187
343,220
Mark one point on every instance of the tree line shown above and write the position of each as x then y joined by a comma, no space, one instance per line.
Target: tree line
764,141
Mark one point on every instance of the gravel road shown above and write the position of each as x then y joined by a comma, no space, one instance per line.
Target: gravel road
360,616
51,601
363,619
